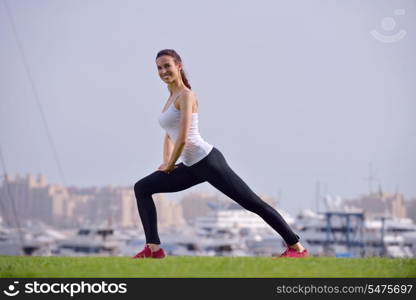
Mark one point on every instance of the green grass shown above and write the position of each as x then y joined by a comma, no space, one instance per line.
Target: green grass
192,266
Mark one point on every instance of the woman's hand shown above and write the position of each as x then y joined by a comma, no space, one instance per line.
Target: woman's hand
167,168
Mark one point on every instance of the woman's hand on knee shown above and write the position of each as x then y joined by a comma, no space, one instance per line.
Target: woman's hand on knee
162,166
165,167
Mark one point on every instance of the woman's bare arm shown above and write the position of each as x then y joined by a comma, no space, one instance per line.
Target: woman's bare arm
167,148
185,104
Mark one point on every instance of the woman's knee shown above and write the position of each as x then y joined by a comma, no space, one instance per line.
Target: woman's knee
141,188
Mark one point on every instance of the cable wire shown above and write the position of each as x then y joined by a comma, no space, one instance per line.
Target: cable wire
36,95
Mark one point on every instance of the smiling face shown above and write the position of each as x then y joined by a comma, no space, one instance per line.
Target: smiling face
168,70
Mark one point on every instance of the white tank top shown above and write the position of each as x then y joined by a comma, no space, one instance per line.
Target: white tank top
196,148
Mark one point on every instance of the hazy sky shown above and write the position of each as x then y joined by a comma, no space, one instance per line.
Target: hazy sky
291,92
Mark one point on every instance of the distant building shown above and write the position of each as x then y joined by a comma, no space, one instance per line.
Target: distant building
195,205
27,198
380,204
24,197
411,208
169,212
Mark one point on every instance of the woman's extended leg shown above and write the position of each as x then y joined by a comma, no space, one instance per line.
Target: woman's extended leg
219,174
159,182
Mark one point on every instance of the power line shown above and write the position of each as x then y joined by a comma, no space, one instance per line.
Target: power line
35,93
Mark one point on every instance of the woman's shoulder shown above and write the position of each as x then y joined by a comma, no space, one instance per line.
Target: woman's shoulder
188,95
188,92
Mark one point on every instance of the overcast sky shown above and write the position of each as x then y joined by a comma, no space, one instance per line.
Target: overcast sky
291,92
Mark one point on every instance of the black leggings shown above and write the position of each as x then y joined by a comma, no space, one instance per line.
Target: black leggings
214,169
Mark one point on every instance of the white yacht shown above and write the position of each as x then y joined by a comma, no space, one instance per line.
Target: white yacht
10,242
231,230
90,241
384,236
233,220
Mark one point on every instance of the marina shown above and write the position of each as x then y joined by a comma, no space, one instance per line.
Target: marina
226,231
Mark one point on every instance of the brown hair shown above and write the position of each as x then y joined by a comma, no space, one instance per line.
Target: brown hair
177,59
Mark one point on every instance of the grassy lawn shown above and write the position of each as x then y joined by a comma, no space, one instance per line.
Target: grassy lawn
192,266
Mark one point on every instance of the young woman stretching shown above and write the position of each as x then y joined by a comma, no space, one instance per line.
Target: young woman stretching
201,162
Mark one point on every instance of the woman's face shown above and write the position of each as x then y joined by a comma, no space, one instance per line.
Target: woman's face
168,70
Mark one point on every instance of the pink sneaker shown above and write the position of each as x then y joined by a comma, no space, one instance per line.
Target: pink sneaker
159,253
146,252
290,252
